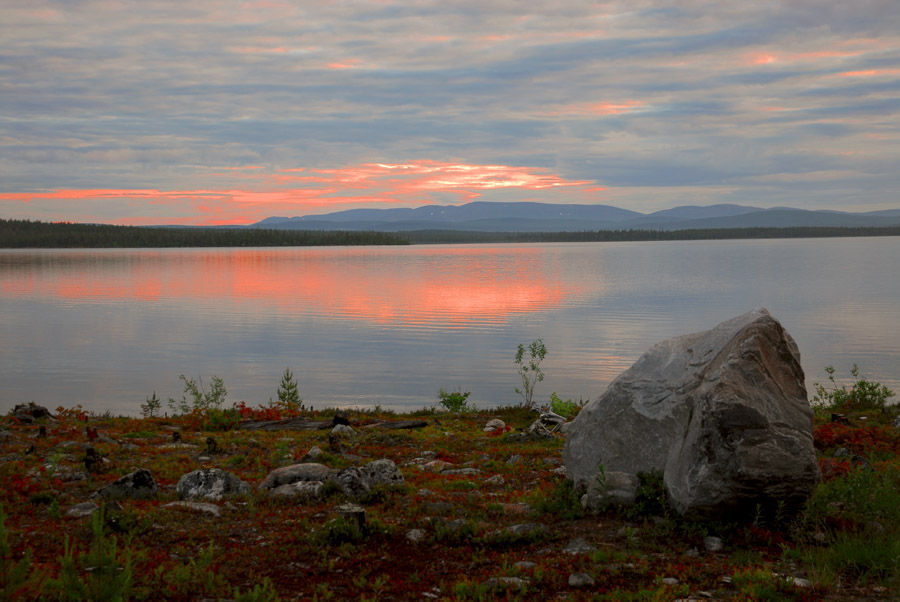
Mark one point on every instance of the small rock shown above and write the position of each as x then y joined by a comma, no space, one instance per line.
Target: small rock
713,544
580,580
201,507
352,481
210,484
138,484
670,581
516,459
81,510
800,582
437,466
313,454
579,546
525,565
494,424
305,490
466,472
495,480
504,583
383,472
415,535
296,472
343,429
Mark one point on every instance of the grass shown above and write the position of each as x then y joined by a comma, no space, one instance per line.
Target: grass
847,542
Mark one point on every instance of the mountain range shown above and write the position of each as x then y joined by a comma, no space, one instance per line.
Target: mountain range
482,216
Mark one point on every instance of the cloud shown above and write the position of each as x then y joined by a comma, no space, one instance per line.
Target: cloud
628,96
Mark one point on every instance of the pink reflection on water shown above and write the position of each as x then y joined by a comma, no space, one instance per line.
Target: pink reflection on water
450,287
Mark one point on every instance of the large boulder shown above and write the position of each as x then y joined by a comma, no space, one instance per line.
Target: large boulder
723,414
210,484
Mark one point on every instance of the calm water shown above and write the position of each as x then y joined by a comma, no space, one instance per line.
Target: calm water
388,325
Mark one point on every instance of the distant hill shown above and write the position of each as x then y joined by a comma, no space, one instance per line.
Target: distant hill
483,216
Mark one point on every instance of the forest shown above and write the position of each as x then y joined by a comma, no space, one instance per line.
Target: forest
36,234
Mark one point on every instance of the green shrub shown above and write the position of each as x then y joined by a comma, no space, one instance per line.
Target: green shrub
863,395
18,580
565,407
110,574
563,501
530,372
454,401
200,399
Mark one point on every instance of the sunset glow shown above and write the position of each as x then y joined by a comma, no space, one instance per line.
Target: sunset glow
286,109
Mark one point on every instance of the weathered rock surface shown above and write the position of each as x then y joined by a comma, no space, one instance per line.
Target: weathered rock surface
308,471
29,412
210,484
382,472
723,414
199,507
614,489
138,484
303,490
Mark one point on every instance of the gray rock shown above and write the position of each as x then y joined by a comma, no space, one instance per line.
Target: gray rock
210,484
713,544
81,510
343,430
308,471
200,507
497,479
138,484
352,482
504,583
579,546
313,454
525,565
415,535
615,489
436,466
494,424
722,413
305,490
670,581
580,580
465,472
382,472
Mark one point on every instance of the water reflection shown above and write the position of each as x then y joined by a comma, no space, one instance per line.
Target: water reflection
361,326
432,286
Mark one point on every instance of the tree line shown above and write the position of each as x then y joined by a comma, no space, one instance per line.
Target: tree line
460,236
36,234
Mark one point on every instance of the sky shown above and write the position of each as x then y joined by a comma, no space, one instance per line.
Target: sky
213,112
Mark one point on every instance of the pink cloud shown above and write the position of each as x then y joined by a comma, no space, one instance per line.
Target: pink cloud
254,193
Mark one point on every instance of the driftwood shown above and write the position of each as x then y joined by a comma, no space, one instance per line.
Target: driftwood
299,424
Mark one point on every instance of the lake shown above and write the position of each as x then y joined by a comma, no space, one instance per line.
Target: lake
362,326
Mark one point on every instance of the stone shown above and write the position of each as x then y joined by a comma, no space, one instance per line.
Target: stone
382,472
670,581
304,490
201,507
29,412
495,424
352,481
343,430
210,484
580,580
465,472
616,489
313,454
713,544
495,583
307,471
579,546
81,510
138,484
436,466
495,480
723,414
415,535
